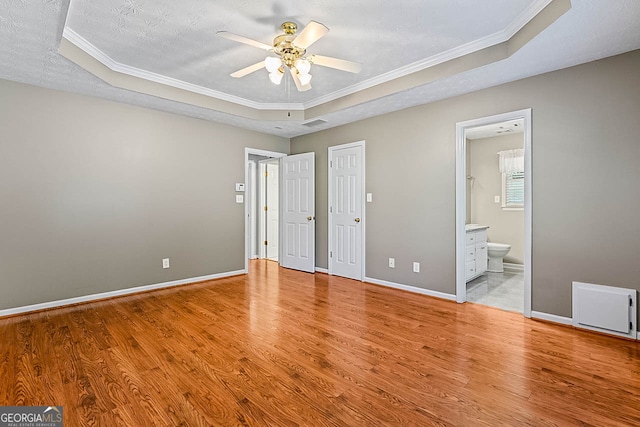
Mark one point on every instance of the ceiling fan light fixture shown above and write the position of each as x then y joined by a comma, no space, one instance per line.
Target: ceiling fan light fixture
272,64
304,78
290,50
303,66
276,76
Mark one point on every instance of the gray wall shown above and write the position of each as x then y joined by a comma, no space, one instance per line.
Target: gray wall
505,226
586,170
95,193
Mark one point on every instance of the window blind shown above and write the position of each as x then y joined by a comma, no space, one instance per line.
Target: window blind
514,189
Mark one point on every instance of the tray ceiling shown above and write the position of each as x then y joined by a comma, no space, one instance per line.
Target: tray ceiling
178,39
111,48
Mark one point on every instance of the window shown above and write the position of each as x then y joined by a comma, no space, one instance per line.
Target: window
511,165
513,190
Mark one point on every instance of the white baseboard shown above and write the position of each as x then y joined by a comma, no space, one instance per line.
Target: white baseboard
551,318
322,270
516,267
566,321
413,289
111,294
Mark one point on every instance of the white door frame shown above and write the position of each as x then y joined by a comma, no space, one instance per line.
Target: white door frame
461,199
363,220
247,223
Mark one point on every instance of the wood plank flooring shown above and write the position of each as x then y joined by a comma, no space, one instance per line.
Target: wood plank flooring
283,348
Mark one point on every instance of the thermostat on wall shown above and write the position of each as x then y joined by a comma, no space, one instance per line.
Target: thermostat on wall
239,186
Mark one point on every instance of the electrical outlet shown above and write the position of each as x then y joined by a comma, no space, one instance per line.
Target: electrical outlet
165,263
392,263
416,267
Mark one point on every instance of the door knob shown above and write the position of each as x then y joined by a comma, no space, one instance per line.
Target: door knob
357,220
309,218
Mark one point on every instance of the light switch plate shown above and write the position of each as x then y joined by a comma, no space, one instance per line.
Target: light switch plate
239,198
496,199
369,197
165,263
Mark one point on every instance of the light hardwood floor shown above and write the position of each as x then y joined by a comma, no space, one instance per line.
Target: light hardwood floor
279,347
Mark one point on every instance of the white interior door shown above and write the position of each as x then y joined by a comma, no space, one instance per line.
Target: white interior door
252,208
297,245
272,209
262,202
346,209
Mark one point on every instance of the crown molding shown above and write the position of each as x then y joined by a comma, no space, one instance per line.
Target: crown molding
491,40
525,17
468,48
118,67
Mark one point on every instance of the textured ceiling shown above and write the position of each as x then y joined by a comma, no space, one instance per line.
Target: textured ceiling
496,129
177,40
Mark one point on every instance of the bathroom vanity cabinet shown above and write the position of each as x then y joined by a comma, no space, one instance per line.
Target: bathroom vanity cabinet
476,251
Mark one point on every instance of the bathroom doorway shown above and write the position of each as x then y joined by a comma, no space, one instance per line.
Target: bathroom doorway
493,211
495,199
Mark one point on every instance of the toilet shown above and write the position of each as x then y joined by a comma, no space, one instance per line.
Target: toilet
496,252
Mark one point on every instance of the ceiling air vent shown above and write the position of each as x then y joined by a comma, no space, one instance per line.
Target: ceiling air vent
314,123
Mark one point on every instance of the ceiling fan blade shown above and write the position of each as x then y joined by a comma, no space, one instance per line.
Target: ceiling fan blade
243,39
248,70
310,34
299,85
338,64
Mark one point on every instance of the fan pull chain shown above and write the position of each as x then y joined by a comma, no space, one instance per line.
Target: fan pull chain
287,86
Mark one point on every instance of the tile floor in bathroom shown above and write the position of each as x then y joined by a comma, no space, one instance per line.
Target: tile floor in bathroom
501,290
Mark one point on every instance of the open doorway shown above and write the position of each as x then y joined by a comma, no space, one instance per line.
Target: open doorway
295,206
494,257
267,210
262,204
472,236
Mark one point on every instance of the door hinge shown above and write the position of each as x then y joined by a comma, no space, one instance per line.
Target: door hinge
330,163
266,174
266,208
330,209
630,302
265,243
330,254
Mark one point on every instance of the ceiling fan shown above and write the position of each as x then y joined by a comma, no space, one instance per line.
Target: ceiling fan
291,51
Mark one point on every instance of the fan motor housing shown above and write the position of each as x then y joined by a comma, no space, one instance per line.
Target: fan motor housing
284,48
